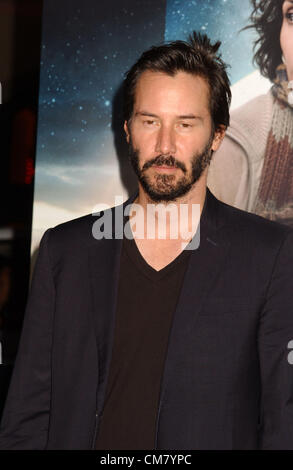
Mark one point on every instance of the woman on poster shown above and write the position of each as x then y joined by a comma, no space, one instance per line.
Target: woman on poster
253,169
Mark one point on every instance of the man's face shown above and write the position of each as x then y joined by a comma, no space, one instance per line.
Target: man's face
170,133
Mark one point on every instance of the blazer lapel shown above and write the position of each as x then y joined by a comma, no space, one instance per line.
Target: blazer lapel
204,266
104,266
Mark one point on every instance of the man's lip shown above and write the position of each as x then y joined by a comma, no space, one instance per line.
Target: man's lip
164,168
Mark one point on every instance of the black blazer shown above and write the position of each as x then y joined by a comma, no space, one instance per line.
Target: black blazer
227,381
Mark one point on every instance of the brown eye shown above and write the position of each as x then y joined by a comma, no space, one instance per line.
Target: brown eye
149,123
184,125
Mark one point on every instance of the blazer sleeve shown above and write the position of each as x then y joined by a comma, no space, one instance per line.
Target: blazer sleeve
25,419
274,337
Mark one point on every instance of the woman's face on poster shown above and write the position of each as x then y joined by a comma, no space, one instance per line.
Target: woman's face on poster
286,36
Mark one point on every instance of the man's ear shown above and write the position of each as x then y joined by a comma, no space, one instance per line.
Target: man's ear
219,136
126,131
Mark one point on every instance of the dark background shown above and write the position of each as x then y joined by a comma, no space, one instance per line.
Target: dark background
20,38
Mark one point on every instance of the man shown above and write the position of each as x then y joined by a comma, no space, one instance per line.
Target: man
139,343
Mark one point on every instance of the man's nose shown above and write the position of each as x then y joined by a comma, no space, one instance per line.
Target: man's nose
166,141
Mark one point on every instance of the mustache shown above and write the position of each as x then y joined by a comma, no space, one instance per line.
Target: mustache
163,160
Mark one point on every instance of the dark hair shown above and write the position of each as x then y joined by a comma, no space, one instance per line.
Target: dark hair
198,57
266,18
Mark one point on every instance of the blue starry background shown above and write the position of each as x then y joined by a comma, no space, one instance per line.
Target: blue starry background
220,20
87,47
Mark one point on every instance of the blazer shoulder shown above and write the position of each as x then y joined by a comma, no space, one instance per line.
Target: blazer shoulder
74,236
253,228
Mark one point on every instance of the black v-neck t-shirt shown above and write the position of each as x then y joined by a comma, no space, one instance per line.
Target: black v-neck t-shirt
145,306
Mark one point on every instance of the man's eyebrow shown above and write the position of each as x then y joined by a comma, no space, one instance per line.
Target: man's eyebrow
145,113
183,116
189,116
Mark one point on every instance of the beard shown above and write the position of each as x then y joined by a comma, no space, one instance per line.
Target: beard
165,188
